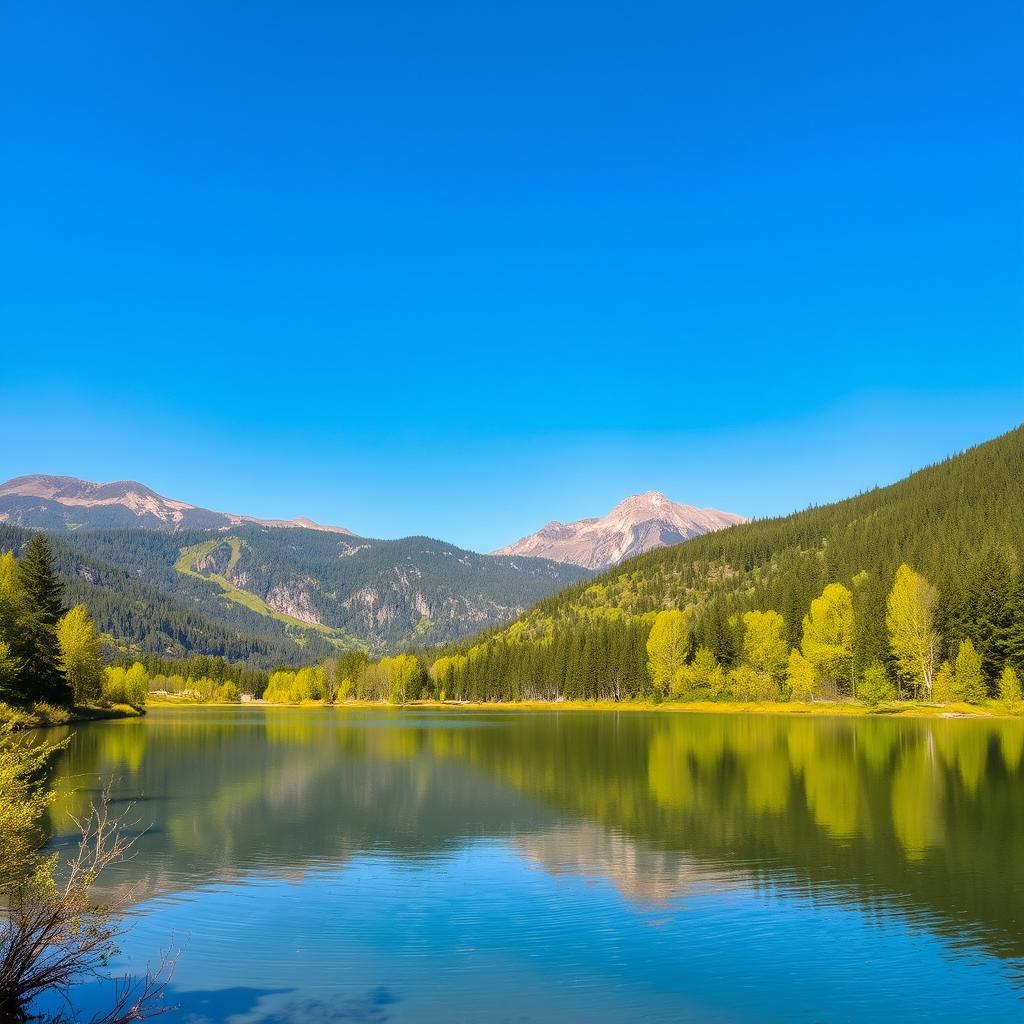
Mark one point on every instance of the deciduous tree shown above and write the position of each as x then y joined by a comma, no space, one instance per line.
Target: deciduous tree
667,647
81,656
910,619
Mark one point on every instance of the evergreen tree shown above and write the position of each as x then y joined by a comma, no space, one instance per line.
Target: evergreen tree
987,614
43,674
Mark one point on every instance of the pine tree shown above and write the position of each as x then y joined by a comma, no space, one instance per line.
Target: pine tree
42,673
988,612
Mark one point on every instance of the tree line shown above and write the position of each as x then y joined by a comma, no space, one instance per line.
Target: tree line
971,652
49,655
681,654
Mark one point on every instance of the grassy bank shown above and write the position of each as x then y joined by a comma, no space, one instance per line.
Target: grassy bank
41,716
892,709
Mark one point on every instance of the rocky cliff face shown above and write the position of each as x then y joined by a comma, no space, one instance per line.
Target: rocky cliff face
638,524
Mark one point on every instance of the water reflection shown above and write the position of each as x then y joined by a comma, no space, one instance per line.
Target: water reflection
916,821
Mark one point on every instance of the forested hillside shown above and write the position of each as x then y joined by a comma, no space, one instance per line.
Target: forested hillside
138,617
273,596
838,617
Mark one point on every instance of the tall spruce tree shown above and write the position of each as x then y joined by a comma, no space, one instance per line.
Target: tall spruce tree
43,673
988,612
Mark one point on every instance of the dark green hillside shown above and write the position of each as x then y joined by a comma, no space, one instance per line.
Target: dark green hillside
939,520
959,524
285,596
141,618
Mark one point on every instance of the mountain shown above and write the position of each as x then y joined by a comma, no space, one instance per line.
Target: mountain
67,503
640,523
957,523
270,595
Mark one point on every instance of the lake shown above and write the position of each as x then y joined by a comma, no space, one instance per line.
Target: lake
414,866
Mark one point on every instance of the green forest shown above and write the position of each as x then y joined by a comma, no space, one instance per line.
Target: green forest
913,591
271,596
910,590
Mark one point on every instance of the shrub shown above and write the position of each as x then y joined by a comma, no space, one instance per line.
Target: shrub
747,684
875,685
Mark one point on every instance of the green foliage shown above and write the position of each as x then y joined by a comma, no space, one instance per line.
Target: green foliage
125,685
968,679
746,683
910,620
1009,686
944,686
703,679
81,654
227,693
667,648
828,631
875,685
764,643
801,679
31,667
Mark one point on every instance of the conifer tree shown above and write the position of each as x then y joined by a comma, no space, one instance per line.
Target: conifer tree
987,614
42,674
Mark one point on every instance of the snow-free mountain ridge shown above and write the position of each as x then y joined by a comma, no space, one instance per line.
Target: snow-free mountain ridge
637,524
65,502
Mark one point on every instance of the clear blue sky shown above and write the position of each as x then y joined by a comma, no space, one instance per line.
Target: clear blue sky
460,268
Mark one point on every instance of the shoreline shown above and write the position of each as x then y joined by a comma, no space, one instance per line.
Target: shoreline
820,709
45,716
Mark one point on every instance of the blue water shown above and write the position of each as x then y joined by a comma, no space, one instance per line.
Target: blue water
321,866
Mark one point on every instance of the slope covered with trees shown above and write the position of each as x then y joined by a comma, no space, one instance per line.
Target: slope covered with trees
913,588
286,596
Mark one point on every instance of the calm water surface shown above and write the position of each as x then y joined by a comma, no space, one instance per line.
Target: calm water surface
403,866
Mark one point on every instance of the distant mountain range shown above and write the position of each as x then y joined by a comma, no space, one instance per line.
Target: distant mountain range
67,503
163,576
640,523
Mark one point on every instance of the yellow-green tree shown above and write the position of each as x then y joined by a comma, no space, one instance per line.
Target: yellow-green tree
828,636
875,685
1009,686
81,656
702,679
747,684
943,685
405,676
228,693
667,647
910,619
113,685
764,642
136,685
968,679
444,671
12,603
800,677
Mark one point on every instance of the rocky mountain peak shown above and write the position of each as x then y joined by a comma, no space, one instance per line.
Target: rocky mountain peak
636,524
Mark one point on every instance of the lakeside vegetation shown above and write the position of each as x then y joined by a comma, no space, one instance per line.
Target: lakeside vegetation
51,661
909,593
912,591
